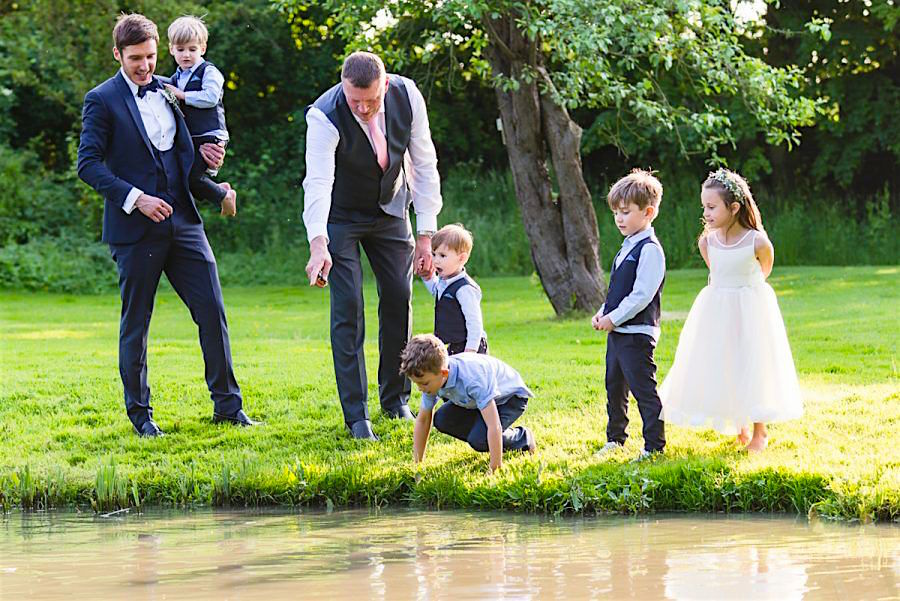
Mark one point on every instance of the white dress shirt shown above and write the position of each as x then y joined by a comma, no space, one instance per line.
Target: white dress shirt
212,87
420,161
159,122
651,270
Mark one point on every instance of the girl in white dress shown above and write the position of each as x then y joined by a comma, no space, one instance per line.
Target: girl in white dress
733,365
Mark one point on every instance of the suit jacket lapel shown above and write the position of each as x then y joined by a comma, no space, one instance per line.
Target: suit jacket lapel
128,97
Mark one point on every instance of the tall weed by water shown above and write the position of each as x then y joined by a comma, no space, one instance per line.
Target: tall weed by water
28,490
111,489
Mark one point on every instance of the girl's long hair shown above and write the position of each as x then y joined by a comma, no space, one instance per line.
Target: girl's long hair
748,215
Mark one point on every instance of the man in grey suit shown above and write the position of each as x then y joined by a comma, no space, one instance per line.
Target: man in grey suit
369,154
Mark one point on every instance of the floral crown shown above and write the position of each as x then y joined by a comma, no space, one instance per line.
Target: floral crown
722,176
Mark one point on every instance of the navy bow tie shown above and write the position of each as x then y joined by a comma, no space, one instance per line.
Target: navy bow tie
153,86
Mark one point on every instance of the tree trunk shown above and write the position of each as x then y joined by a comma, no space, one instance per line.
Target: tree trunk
562,229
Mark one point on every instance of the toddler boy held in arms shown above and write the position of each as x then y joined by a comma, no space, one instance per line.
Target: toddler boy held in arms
483,397
199,85
632,311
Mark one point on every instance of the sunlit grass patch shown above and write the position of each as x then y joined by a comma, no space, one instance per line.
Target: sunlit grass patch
63,425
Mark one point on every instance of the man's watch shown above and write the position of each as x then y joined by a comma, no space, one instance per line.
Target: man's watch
428,233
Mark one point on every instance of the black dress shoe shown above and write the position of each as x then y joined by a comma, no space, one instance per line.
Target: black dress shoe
239,419
149,429
362,430
404,412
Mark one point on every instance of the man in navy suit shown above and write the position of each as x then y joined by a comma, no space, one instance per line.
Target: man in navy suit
137,153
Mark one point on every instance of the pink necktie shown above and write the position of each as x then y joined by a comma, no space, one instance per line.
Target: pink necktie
379,141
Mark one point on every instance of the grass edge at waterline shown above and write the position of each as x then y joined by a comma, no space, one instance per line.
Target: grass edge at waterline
707,485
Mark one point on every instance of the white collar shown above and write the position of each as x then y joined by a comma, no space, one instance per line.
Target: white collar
461,274
635,238
179,70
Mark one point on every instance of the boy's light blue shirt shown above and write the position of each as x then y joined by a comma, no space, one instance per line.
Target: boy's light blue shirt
650,273
212,84
475,380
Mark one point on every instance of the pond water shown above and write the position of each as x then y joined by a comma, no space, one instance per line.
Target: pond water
441,555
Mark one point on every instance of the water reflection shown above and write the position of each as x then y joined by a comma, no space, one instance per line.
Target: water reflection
442,555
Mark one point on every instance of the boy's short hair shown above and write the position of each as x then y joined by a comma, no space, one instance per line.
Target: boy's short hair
362,69
638,187
424,354
187,29
455,237
133,29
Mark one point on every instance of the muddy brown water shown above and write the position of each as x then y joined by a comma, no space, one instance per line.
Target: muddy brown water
441,555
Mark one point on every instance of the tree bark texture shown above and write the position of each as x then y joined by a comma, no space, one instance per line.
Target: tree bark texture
561,228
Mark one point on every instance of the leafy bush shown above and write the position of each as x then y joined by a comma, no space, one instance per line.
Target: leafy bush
63,264
266,243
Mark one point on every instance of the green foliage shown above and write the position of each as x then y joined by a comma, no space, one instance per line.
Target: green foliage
253,250
59,264
832,200
37,202
855,148
674,71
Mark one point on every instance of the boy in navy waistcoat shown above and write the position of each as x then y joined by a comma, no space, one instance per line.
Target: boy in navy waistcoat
199,85
457,306
632,311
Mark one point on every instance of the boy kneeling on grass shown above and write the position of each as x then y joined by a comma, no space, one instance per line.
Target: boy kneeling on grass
483,397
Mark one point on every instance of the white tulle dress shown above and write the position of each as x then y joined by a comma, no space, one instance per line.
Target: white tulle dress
733,365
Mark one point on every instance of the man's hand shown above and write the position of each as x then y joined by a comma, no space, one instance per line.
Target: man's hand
602,322
229,203
176,91
319,260
155,208
213,154
422,260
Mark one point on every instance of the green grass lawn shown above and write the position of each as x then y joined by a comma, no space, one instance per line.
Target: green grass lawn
64,436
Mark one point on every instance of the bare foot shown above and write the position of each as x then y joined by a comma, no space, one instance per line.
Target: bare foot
758,444
229,203
743,436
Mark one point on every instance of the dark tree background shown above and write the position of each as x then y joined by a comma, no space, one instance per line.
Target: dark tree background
278,56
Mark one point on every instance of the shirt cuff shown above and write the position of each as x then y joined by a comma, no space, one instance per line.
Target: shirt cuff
198,100
130,200
426,223
616,317
314,230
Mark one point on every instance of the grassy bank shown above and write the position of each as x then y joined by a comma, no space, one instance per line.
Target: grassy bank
64,437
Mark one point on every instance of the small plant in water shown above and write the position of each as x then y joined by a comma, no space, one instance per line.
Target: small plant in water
111,489
222,487
27,487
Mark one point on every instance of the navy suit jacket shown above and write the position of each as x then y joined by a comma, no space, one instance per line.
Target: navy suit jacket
115,155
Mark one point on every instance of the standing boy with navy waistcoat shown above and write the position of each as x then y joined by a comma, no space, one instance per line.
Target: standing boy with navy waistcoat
199,85
457,306
632,311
